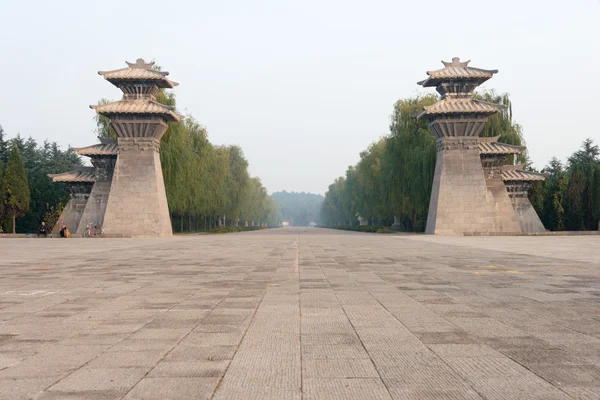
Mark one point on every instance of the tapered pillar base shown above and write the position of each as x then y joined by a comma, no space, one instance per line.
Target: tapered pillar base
460,200
137,205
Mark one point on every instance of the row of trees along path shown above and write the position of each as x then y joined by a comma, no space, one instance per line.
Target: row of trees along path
206,185
394,176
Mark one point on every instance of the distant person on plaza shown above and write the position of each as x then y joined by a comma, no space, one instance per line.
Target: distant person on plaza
64,232
43,230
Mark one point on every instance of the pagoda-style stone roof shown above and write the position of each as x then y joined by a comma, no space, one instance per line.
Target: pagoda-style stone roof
139,71
80,175
460,106
137,106
106,147
457,70
516,173
491,146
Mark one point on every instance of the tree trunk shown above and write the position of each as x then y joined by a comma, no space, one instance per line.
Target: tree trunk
181,223
189,222
14,223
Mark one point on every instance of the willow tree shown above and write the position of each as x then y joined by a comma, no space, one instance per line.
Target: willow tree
502,124
335,208
409,162
236,182
371,194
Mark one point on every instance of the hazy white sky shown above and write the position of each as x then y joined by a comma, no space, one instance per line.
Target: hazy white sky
301,86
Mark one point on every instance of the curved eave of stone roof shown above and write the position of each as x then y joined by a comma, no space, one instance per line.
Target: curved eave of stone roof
139,74
457,73
138,106
492,147
513,173
100,149
84,176
460,106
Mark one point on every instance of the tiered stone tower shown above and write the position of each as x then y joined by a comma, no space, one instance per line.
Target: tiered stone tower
79,184
473,191
137,205
459,201
103,157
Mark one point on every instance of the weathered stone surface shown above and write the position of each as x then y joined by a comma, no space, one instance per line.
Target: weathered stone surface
459,198
95,208
137,206
528,219
300,313
71,215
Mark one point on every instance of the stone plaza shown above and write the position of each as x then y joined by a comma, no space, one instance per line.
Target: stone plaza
301,313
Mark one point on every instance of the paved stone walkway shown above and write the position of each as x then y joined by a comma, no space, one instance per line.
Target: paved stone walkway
300,314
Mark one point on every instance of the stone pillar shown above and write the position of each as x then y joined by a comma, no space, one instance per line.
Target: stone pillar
526,215
397,225
137,206
459,195
505,220
73,211
95,209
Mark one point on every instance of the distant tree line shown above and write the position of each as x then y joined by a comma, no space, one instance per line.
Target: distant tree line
299,208
569,198
394,176
27,195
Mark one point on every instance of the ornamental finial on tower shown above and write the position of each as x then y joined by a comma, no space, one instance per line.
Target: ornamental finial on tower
457,70
140,64
456,63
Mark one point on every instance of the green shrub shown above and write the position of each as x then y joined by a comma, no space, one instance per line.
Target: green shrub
365,228
232,229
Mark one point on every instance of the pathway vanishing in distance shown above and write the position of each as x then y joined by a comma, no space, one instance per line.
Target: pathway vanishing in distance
300,314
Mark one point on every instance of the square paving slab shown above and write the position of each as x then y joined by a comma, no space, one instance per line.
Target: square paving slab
300,313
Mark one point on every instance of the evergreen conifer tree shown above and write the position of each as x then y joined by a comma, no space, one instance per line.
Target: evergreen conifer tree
573,202
3,147
1,194
16,188
596,196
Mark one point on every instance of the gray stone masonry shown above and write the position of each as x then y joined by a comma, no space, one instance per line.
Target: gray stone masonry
505,218
95,208
73,211
137,206
529,221
460,200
